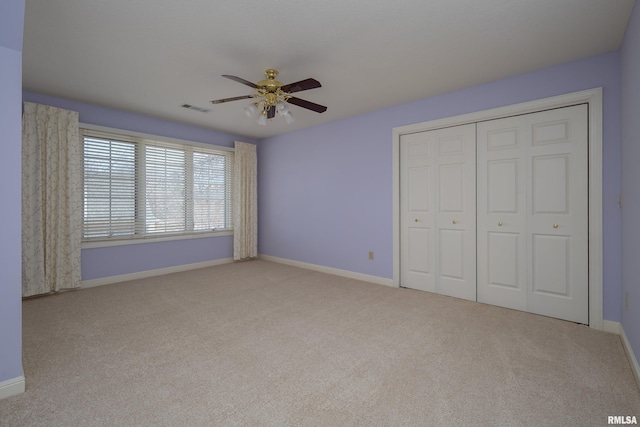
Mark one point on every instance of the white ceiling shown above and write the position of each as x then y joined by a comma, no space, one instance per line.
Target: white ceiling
152,56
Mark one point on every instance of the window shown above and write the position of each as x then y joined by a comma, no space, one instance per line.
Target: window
135,187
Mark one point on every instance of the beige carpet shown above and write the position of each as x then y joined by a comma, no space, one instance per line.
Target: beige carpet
259,343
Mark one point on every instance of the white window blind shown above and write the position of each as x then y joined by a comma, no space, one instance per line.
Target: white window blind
165,190
138,188
109,188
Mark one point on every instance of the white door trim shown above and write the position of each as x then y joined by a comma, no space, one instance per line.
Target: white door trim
593,97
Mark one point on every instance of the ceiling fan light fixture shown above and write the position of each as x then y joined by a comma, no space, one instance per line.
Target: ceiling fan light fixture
282,108
251,110
262,120
288,117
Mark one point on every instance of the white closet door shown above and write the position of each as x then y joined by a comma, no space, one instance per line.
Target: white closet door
502,216
438,216
418,218
532,213
456,218
558,223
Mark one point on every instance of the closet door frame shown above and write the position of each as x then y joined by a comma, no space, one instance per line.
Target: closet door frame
592,97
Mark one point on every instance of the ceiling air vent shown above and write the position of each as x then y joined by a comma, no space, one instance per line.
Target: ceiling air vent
193,107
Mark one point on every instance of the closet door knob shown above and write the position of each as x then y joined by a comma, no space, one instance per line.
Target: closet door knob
455,222
499,223
416,220
555,225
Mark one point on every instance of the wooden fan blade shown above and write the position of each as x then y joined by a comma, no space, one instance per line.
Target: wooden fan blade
235,98
307,104
272,112
301,85
241,80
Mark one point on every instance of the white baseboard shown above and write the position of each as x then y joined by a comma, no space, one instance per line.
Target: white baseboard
616,328
611,327
329,270
151,273
633,360
12,387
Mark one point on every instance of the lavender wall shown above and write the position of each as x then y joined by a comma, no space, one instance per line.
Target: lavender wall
631,180
117,260
325,193
11,24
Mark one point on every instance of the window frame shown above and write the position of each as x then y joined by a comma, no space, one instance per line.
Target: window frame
141,138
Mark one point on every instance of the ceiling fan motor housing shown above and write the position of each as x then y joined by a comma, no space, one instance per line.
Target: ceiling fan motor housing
270,84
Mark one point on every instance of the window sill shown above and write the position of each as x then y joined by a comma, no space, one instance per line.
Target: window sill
141,240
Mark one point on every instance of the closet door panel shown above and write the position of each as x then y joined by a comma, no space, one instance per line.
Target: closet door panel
551,264
532,213
417,221
502,186
419,251
451,256
456,219
438,211
502,214
504,252
558,223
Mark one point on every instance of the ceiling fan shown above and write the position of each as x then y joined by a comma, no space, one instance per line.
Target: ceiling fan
272,97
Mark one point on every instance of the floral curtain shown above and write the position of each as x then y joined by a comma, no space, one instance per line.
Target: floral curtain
51,199
245,218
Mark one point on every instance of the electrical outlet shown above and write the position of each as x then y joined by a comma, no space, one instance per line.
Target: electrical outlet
626,300
370,254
